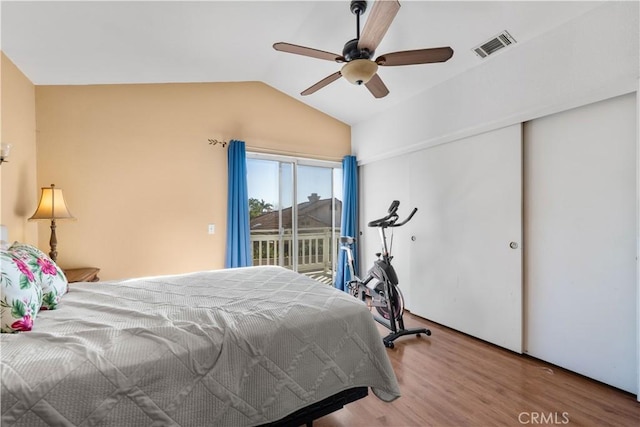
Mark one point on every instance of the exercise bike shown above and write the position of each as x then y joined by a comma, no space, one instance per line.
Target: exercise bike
380,288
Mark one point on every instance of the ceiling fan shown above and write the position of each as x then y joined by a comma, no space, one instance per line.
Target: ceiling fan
359,68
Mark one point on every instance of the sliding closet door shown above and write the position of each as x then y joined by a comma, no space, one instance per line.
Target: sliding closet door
580,234
466,262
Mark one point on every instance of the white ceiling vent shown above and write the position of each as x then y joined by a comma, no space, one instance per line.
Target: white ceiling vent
493,45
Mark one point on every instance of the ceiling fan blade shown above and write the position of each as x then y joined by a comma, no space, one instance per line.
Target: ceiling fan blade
378,22
377,87
322,83
418,56
307,51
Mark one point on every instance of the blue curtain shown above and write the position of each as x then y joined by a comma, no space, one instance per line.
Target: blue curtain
349,219
238,244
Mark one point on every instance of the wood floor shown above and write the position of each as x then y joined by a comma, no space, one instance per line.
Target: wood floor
451,379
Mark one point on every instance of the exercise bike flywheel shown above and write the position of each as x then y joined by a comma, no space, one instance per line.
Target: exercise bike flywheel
397,305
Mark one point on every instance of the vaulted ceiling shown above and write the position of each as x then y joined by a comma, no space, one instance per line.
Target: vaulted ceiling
92,42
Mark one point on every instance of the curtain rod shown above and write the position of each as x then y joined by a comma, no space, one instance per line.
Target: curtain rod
279,152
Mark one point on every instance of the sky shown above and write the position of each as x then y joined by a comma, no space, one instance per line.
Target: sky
262,181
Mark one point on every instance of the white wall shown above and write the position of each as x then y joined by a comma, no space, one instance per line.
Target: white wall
593,57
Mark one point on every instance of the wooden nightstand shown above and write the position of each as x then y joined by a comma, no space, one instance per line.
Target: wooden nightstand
86,274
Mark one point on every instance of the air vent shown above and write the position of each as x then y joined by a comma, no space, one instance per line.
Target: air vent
493,45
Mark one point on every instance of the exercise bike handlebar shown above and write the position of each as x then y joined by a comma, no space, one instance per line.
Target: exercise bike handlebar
413,212
391,219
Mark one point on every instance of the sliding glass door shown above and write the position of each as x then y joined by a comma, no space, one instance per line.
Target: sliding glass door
270,186
295,207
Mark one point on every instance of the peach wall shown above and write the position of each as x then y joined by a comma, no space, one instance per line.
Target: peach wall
142,180
18,190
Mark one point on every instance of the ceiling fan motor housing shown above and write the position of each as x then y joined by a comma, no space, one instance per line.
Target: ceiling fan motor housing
351,51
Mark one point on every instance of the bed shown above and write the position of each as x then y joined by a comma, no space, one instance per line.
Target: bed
246,346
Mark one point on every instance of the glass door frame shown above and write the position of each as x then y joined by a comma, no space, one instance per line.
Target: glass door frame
294,214
295,162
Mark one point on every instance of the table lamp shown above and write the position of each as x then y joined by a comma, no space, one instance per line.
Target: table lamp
52,206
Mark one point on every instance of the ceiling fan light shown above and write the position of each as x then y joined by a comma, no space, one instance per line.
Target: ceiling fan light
359,71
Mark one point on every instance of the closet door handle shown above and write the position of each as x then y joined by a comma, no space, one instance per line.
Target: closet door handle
513,245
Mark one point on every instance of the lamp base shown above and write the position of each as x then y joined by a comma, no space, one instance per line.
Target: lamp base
53,242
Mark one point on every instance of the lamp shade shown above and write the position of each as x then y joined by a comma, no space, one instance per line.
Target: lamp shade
5,149
359,71
52,205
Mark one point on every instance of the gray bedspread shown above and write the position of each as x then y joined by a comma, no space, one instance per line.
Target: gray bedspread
219,348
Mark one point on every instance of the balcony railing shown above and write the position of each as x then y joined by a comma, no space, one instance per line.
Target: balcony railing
316,246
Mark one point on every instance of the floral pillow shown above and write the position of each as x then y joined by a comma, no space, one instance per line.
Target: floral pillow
20,294
47,274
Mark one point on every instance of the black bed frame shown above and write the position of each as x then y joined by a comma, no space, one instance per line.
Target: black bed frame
306,415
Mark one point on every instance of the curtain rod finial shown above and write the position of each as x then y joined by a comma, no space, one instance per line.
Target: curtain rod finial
215,142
